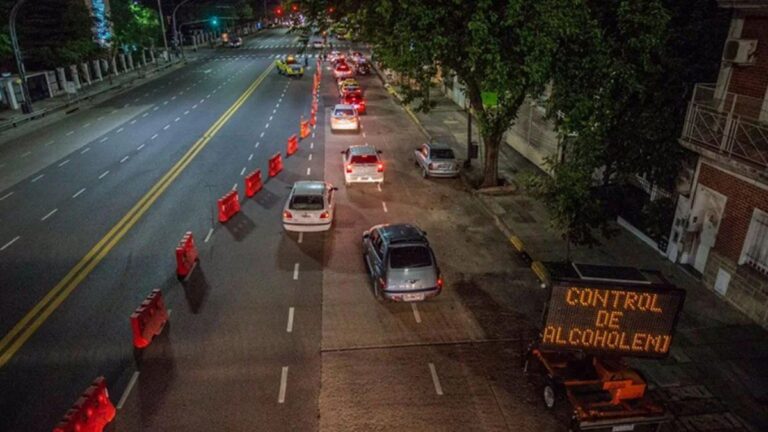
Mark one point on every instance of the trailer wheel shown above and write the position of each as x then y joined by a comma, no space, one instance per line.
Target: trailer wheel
550,394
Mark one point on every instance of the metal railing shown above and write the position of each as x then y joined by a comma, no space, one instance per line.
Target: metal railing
730,125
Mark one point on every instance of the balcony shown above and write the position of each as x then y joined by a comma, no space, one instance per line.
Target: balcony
732,129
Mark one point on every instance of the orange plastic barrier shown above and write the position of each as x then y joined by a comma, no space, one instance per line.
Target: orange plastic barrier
229,205
186,255
292,146
91,412
253,183
304,128
149,319
275,164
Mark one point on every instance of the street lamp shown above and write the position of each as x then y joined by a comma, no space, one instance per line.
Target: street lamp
162,26
175,29
26,104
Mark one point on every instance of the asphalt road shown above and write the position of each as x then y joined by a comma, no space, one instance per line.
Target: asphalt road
52,217
273,331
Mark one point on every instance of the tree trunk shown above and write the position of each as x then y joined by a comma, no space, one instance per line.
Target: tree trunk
491,141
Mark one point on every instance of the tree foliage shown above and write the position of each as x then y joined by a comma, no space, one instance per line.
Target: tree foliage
133,25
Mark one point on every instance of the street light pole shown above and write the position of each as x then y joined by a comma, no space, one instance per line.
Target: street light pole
162,27
26,104
175,29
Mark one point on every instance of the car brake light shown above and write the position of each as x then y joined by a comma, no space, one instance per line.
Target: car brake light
380,167
325,215
440,282
349,169
287,215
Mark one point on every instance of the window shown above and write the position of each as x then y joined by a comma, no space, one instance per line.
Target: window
306,202
755,253
365,159
442,154
410,257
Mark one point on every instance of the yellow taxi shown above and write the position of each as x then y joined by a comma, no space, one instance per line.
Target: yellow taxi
289,66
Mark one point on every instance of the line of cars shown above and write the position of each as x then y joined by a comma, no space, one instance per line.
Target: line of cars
398,257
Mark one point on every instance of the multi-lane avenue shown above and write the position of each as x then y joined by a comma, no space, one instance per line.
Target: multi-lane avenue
273,331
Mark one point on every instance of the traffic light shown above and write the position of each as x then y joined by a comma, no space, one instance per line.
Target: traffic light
294,7
214,21
279,11
331,10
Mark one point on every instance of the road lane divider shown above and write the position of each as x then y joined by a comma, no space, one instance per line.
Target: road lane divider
28,325
187,256
149,319
253,183
275,164
229,205
91,412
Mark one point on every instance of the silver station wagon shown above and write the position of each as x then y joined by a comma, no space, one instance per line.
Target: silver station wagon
436,160
401,263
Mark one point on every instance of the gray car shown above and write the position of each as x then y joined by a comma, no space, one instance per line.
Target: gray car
436,160
401,263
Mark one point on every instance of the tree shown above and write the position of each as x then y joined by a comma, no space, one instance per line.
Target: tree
133,25
620,90
55,32
499,48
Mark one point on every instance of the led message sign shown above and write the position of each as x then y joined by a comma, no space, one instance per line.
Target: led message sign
625,321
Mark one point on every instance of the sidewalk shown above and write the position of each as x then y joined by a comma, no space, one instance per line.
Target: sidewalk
717,373
52,109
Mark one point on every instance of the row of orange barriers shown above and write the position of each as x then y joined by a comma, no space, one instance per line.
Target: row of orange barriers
94,410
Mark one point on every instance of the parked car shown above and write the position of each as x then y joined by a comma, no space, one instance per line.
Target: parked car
436,160
344,117
400,262
363,67
362,164
309,207
235,42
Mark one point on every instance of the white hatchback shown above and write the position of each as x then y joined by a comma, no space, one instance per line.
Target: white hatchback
362,164
309,207
344,117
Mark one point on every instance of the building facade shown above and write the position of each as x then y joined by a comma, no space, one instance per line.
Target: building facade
720,228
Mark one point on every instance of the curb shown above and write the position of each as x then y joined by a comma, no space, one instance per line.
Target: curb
399,98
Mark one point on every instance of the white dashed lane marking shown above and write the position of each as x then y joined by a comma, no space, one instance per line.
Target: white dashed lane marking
38,178
6,196
289,327
435,379
64,163
78,193
50,213
103,139
283,385
70,133
7,245
104,174
124,159
86,150
296,271
416,314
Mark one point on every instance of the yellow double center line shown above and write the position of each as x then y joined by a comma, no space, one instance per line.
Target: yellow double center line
27,326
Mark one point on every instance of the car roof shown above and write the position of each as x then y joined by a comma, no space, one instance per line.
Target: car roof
309,187
343,106
363,149
402,233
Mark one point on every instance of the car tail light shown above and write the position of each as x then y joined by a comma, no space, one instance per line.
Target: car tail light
380,167
287,215
349,169
440,282
325,215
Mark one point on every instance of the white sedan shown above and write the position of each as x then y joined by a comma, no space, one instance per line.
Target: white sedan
345,117
310,207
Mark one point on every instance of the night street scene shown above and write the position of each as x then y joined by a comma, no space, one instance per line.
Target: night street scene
384,215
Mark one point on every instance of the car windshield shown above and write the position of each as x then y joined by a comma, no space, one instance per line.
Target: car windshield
364,159
344,112
306,202
442,154
409,257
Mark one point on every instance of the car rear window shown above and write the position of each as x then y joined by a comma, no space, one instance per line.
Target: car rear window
344,112
306,202
442,154
364,159
409,257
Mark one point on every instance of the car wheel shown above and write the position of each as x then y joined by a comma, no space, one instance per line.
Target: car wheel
551,394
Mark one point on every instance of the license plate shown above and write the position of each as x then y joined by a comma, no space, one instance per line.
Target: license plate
413,297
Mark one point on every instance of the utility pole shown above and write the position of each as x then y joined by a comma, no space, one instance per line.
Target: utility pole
26,104
162,27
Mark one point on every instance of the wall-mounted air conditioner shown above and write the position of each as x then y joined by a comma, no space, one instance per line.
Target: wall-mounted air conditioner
740,51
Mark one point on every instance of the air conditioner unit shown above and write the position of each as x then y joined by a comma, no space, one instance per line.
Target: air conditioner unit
740,51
